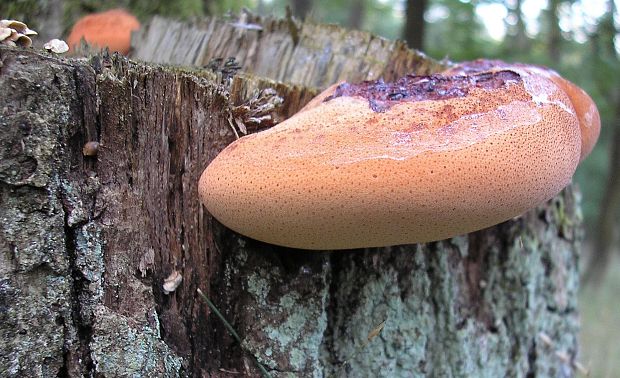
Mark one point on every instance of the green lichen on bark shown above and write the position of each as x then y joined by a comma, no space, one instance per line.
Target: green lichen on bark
288,316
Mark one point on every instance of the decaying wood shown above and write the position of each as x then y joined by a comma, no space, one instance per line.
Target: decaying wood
318,56
88,242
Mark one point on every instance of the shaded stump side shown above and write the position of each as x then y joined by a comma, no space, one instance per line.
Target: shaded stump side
87,243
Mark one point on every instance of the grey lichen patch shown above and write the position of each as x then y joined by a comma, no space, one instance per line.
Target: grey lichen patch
383,294
123,347
18,154
258,286
29,148
288,300
89,264
78,200
89,252
32,225
291,336
30,151
33,323
297,336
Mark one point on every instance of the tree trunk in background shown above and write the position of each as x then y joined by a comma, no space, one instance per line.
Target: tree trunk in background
609,218
413,33
87,241
45,17
554,39
50,22
604,53
357,10
517,41
301,8
609,213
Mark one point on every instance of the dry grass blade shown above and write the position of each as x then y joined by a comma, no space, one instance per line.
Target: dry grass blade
376,331
233,333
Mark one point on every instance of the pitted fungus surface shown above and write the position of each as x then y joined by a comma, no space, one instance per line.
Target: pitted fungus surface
359,170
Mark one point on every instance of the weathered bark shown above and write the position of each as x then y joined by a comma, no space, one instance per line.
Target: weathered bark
87,241
308,54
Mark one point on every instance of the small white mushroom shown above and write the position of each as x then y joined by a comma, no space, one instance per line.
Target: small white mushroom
172,282
5,33
15,33
13,24
8,36
18,26
57,46
30,32
22,40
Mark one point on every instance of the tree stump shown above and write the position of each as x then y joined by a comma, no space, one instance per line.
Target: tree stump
100,160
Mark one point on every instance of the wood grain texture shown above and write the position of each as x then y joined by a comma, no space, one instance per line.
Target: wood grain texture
322,54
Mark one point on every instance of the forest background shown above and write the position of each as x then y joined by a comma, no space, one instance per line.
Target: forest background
578,38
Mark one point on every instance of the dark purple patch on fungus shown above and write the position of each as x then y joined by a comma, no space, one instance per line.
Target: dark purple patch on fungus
381,95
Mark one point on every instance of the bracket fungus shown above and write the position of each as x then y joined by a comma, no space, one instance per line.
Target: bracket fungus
111,29
422,159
